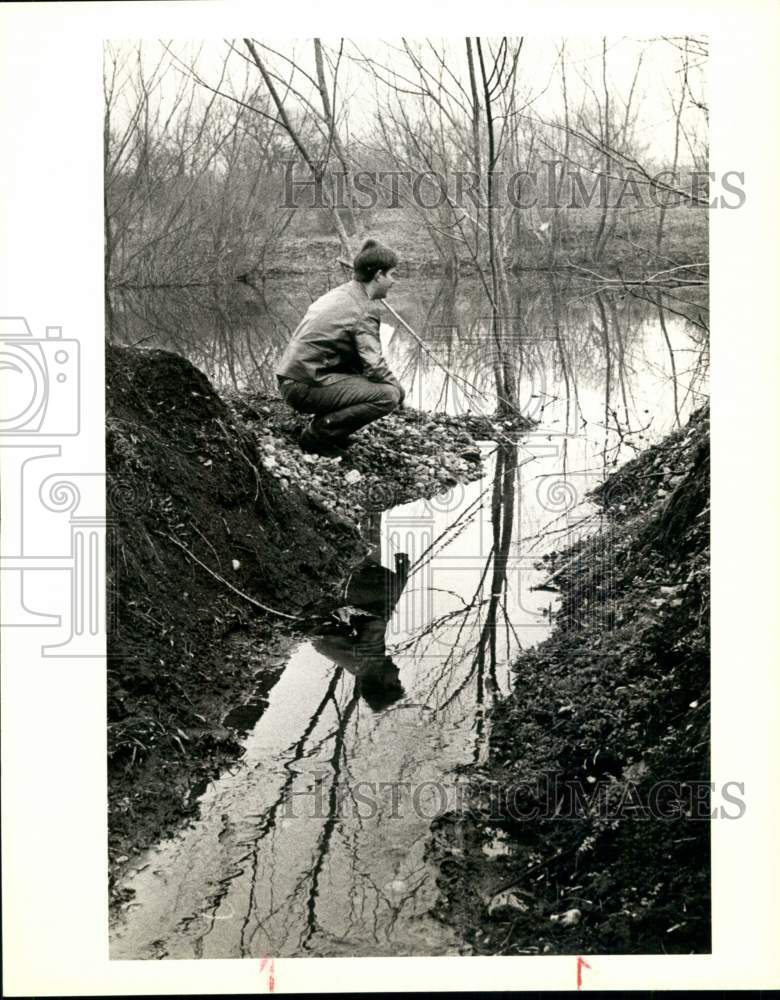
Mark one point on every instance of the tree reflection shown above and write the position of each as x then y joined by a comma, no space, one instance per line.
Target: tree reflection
467,673
582,367
357,651
568,336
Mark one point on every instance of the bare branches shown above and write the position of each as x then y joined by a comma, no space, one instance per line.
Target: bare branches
315,166
194,143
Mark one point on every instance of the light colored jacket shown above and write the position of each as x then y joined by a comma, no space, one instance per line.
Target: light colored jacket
338,337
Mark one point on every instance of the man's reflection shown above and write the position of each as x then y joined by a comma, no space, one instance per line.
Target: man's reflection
360,646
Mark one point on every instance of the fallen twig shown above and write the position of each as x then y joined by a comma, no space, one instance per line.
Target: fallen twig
545,584
246,597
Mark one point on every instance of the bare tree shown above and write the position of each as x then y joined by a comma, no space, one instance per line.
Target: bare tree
496,77
677,131
317,163
182,193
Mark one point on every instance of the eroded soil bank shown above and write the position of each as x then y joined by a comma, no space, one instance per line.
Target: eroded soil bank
586,829
225,539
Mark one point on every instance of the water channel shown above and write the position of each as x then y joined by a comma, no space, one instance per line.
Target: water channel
316,843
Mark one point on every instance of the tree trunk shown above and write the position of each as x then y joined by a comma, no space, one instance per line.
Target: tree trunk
506,386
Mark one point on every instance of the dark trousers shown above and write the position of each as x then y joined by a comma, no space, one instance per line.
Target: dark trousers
341,407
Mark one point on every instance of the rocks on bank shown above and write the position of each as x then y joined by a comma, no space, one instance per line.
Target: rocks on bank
406,455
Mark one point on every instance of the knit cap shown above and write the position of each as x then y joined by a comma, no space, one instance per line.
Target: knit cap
373,256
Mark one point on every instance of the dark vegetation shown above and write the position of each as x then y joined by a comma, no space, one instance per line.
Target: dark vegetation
631,252
615,702
186,484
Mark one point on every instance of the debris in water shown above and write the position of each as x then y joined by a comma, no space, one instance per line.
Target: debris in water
346,613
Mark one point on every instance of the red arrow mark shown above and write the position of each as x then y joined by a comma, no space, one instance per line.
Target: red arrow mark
581,964
271,980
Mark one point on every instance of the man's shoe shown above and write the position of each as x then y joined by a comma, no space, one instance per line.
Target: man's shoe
310,443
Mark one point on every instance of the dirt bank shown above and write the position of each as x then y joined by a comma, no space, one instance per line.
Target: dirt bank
215,512
586,827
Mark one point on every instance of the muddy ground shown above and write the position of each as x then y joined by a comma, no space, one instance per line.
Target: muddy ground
225,540
586,828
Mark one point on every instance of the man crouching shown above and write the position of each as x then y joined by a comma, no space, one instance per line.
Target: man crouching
333,366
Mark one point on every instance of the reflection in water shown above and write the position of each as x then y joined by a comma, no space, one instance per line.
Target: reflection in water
315,845
627,363
359,647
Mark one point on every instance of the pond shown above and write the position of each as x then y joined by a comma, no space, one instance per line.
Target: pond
627,358
317,842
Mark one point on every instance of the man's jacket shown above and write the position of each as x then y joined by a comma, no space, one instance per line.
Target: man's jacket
338,337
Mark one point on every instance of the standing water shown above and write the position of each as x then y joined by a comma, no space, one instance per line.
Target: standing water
316,843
